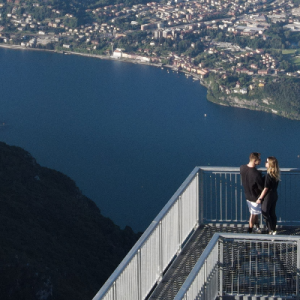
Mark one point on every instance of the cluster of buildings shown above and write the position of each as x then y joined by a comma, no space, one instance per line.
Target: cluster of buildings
265,60
185,63
173,20
22,23
179,13
27,22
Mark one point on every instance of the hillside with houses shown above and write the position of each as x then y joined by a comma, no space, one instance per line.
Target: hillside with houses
238,49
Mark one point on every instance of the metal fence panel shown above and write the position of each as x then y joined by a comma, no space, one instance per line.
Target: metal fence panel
127,283
170,235
144,264
189,209
239,265
224,201
150,262
110,294
202,283
223,197
259,267
288,192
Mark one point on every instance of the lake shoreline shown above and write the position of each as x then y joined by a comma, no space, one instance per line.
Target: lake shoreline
105,57
133,61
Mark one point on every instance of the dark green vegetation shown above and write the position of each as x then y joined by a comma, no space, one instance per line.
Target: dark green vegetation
281,94
285,93
55,244
76,7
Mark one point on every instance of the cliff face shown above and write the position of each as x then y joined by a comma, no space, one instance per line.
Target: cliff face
55,244
264,104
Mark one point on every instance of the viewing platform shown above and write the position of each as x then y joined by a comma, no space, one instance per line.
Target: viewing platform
198,246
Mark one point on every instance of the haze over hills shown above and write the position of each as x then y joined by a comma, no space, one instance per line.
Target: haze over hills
55,244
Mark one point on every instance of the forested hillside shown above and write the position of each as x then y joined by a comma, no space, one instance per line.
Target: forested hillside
55,244
285,93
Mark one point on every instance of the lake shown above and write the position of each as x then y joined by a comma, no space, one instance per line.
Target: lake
128,134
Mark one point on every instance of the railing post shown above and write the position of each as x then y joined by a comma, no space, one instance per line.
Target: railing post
205,283
139,275
298,270
160,253
236,197
221,267
221,199
201,195
241,201
179,224
114,291
197,198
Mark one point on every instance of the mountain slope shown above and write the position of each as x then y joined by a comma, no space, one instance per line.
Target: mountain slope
55,244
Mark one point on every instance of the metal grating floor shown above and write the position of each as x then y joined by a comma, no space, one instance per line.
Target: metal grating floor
182,266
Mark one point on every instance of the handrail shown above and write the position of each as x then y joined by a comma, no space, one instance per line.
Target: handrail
237,169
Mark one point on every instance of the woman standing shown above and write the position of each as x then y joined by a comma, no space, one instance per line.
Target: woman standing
269,196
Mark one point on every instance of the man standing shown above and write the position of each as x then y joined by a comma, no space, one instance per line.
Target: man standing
253,184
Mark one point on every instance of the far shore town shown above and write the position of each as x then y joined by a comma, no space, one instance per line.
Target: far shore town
242,45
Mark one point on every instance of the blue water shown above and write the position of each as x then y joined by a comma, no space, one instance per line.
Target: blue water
128,134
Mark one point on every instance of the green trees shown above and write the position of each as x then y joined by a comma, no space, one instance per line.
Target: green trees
195,50
229,81
40,13
285,65
183,46
71,22
285,93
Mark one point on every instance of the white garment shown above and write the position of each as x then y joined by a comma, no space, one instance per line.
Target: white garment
254,208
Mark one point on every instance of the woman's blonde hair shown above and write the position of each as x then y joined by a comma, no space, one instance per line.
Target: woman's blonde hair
273,168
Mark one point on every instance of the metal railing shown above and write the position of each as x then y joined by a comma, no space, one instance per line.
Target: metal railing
208,195
222,197
144,265
241,264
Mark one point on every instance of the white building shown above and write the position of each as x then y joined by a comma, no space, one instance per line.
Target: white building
117,53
